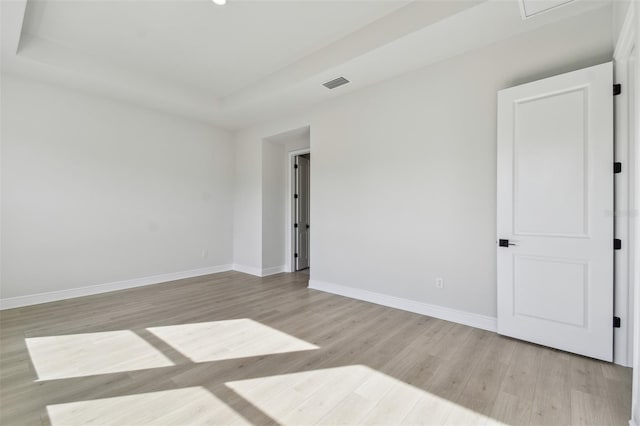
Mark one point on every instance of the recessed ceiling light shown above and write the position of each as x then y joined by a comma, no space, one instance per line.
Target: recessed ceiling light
220,2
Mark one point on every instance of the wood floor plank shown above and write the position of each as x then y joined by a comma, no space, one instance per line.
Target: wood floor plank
552,401
511,410
361,364
481,390
394,406
587,376
618,401
589,410
523,372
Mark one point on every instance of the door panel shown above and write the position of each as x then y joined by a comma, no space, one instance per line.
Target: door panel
551,289
302,213
555,204
551,136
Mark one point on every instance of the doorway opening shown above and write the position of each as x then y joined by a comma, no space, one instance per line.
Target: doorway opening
279,205
300,213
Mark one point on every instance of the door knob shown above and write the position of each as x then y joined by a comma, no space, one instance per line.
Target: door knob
505,243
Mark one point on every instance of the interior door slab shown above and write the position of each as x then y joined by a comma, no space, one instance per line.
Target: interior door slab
555,212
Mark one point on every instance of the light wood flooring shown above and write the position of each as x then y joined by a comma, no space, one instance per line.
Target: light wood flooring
230,348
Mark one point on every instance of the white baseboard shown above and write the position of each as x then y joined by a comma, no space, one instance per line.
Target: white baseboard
633,423
273,270
258,272
35,299
467,318
247,269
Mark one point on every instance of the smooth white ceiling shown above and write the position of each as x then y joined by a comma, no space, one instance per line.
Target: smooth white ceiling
248,61
214,48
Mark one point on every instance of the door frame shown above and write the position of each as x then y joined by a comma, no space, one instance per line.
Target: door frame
626,202
290,210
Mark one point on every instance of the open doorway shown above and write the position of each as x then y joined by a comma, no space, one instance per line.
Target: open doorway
278,205
301,226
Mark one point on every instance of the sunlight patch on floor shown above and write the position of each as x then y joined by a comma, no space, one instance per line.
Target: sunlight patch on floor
193,405
228,339
353,394
87,354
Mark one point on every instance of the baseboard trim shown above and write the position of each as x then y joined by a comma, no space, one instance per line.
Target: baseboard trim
467,318
273,270
247,269
36,299
53,296
258,272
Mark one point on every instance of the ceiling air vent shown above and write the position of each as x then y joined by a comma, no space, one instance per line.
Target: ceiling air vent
340,81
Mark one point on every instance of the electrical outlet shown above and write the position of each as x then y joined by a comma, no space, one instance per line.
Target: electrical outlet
439,282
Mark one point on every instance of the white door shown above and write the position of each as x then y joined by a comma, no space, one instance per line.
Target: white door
555,204
301,224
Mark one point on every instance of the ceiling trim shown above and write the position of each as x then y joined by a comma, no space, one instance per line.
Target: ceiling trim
525,15
13,12
413,36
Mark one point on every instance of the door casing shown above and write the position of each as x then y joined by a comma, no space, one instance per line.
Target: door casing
627,185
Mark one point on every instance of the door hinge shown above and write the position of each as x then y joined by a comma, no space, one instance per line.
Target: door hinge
295,166
295,225
616,322
617,243
295,255
617,167
617,89
295,195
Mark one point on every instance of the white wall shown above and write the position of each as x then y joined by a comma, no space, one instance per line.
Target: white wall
273,205
403,172
247,206
95,191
